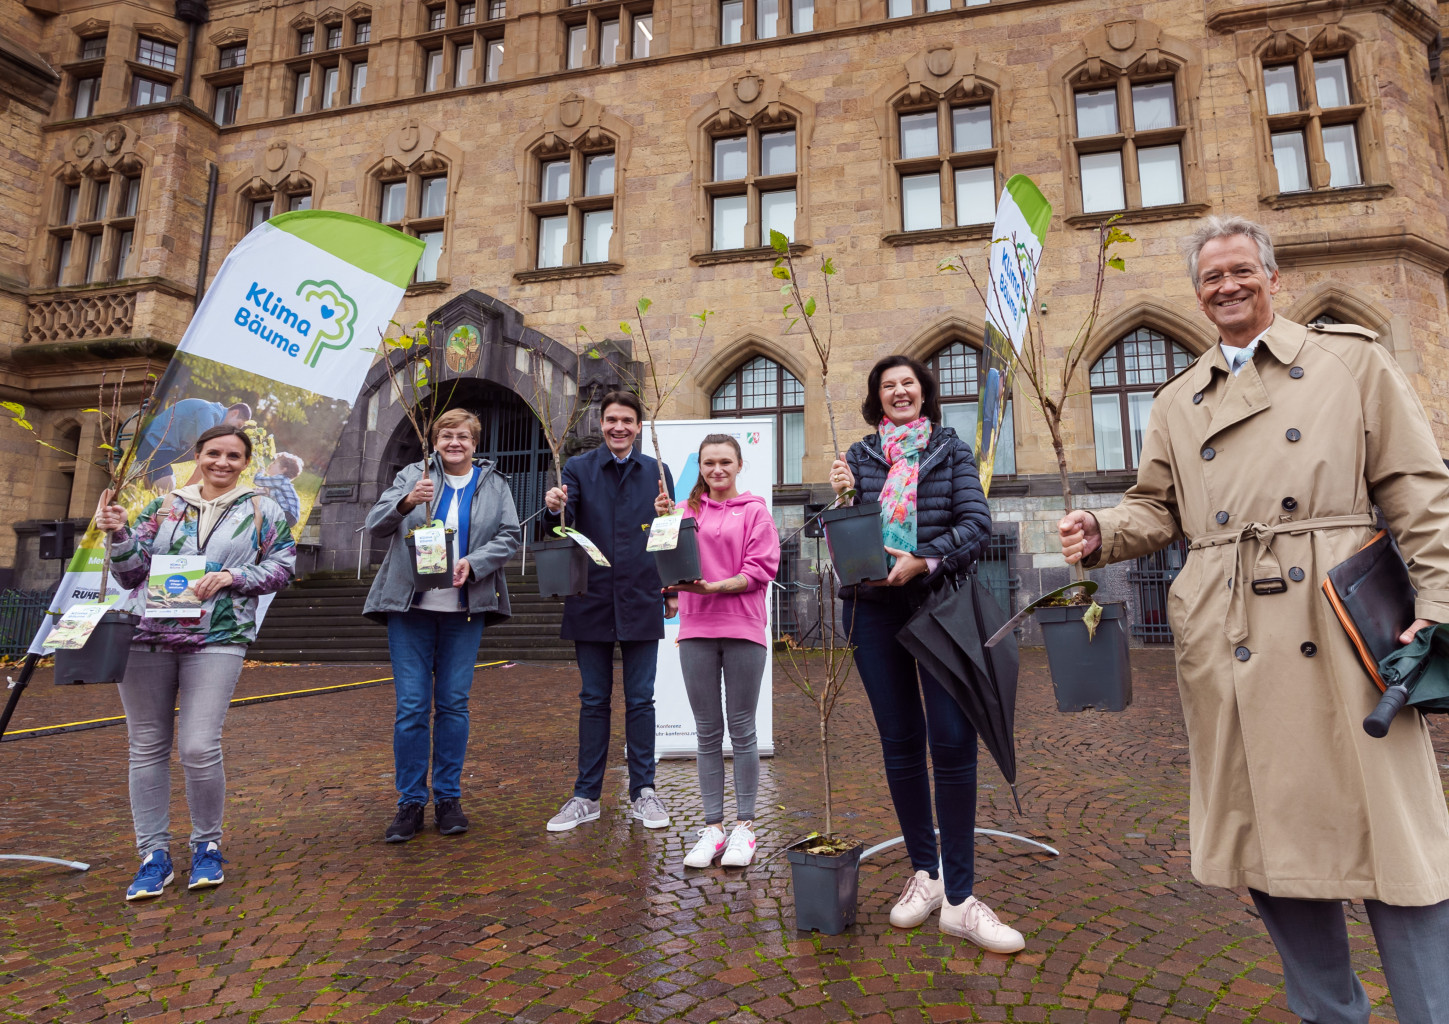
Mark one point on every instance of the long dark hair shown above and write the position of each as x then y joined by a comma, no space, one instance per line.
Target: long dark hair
701,486
225,430
874,412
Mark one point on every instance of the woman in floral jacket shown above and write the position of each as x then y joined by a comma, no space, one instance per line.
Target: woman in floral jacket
193,663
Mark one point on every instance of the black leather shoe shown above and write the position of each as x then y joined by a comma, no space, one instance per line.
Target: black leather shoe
408,823
448,812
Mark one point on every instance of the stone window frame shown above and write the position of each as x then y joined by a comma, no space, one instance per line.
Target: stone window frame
940,78
234,75
83,69
413,153
1301,46
157,75
778,409
577,127
319,60
591,18
104,230
969,394
749,103
1177,354
281,172
920,7
481,36
750,23
1121,54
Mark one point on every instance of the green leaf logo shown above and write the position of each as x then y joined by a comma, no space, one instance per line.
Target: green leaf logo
338,313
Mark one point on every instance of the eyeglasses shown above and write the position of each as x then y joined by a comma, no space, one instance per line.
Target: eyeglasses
449,436
1213,278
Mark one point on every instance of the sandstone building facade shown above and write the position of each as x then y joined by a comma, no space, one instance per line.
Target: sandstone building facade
561,159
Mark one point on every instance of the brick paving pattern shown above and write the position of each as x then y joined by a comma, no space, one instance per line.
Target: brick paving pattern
320,921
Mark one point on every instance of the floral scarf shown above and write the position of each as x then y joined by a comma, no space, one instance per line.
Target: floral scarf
902,445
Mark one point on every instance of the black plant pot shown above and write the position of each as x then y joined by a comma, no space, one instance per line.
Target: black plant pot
103,658
431,580
857,546
825,886
563,568
681,564
1088,674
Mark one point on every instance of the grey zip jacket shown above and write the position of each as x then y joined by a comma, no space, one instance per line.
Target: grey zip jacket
493,534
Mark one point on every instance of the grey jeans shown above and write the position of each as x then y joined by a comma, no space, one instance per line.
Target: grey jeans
742,664
199,683
1312,940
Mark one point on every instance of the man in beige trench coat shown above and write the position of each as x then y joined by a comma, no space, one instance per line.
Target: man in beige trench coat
1268,454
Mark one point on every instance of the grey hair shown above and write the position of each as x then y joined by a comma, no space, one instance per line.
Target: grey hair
1226,227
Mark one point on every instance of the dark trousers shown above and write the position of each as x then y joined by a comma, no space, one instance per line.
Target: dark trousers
1312,940
912,709
596,669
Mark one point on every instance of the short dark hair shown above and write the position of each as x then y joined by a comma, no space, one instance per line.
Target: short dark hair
627,398
871,408
225,430
242,407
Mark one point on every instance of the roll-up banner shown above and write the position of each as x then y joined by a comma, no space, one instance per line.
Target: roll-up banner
1022,216
674,731
280,345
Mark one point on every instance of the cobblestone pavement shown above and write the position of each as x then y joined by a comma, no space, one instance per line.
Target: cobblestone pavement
320,921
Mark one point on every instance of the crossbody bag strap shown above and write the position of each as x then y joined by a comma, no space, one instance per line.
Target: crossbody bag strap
257,522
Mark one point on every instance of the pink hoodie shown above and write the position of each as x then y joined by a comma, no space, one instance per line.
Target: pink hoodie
736,537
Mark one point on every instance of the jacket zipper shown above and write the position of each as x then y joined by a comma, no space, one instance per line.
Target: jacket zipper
926,464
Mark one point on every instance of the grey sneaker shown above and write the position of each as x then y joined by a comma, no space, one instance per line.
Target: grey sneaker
650,809
575,811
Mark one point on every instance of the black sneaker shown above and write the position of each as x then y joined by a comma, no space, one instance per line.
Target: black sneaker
408,823
448,812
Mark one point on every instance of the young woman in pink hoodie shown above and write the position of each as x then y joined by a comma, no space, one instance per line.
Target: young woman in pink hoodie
722,633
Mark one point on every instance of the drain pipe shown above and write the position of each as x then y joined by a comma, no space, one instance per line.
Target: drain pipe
206,235
195,14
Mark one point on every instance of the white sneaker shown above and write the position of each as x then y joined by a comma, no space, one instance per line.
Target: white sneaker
711,842
741,848
977,922
922,896
650,809
575,811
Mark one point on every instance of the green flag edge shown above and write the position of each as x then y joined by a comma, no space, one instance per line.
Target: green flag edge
1032,204
381,251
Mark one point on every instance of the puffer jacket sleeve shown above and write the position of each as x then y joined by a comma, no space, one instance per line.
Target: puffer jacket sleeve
970,532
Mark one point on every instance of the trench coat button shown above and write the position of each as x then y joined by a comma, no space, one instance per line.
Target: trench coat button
1295,574
1242,654
1295,372
1309,648
1207,454
1197,398
1289,504
1221,517
1293,434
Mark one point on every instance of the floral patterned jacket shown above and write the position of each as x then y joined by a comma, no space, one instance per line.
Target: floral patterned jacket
168,526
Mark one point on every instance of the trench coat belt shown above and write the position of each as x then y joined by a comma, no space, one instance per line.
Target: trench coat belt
1265,566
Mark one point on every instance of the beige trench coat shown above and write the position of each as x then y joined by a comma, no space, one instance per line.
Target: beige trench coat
1288,794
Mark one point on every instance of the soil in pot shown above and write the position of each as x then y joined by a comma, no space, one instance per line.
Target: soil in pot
680,564
103,658
1094,673
562,567
857,547
825,885
431,580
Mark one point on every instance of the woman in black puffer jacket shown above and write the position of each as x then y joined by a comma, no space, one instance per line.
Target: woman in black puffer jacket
934,517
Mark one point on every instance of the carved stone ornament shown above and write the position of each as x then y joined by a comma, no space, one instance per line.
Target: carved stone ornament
160,31
83,144
407,139
940,61
91,26
1122,34
276,155
229,36
115,138
571,110
748,88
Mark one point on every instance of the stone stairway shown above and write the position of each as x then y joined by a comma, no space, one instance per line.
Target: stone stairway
319,618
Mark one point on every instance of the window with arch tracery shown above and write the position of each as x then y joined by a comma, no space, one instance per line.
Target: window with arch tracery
1325,318
762,387
1122,382
957,376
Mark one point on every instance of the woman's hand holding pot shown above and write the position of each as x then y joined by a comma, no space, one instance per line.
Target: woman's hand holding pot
109,517
908,566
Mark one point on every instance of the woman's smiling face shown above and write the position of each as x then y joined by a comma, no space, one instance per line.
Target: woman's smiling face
221,461
901,395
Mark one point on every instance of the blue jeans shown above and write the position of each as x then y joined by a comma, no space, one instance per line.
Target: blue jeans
909,714
596,667
433,654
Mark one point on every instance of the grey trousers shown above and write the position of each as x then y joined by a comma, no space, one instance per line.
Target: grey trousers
200,683
1312,939
742,664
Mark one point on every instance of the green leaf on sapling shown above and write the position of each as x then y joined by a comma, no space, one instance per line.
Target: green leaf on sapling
778,241
1117,263
781,273
23,424
827,267
644,305
1091,618
19,409
809,307
626,328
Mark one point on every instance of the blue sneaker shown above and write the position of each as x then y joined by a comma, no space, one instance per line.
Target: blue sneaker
154,876
206,862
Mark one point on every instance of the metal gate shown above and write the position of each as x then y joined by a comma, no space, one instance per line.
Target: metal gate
1152,576
21,612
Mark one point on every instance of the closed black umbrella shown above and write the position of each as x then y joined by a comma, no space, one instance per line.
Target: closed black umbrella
945,635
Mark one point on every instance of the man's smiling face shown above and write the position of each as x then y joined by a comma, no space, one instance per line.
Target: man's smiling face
1238,302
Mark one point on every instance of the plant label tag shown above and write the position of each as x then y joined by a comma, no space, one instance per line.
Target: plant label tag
664,533
171,587
76,625
431,544
588,545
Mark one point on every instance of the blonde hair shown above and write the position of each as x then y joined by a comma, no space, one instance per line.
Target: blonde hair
454,418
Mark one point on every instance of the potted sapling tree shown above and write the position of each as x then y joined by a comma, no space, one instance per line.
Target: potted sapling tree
852,531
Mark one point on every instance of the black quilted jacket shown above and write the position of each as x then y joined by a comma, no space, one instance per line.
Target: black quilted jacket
953,521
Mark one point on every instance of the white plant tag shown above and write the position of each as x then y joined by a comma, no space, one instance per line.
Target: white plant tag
588,545
76,625
431,544
664,533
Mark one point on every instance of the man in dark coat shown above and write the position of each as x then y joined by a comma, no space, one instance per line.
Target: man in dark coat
610,494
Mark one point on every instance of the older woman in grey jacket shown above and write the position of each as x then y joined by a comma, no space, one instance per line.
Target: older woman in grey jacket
433,635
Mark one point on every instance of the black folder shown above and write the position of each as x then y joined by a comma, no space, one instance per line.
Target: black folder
1371,594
